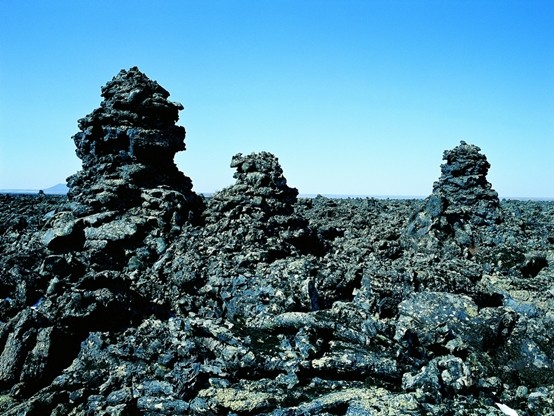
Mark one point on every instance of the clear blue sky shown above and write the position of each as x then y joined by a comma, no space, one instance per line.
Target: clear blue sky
354,97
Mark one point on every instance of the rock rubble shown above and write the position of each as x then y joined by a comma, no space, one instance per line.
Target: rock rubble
136,296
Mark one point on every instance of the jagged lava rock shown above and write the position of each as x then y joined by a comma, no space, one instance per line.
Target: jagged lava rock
130,193
260,208
129,183
125,207
132,308
462,200
135,118
250,230
127,145
259,183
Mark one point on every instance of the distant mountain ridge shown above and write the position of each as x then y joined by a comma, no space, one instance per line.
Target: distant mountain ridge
59,189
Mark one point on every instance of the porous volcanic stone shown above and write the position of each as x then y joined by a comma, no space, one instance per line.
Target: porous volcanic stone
130,299
258,210
125,207
128,145
463,203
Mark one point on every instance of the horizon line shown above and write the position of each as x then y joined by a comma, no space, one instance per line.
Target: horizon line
300,195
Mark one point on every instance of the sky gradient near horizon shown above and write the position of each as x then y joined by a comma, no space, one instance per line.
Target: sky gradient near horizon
356,97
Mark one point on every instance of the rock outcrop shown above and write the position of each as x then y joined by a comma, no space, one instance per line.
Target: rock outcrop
125,207
260,208
127,146
242,252
134,296
130,189
463,205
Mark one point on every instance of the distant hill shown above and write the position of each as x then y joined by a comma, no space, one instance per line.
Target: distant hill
59,189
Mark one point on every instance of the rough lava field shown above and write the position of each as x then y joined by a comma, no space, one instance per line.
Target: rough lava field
133,295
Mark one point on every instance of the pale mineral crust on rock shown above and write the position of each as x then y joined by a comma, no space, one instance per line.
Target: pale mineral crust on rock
135,296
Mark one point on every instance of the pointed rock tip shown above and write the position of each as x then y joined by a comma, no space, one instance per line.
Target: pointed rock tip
132,80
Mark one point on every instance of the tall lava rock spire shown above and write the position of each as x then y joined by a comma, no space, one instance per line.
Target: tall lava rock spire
129,191
260,208
463,204
127,205
127,145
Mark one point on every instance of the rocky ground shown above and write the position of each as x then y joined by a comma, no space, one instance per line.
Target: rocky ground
134,295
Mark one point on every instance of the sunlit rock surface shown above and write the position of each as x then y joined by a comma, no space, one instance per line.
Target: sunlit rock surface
135,296
463,204
127,146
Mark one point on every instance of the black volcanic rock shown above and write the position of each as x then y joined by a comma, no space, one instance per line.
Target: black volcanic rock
130,194
240,255
125,207
130,190
127,146
260,184
260,208
133,297
463,205
135,120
